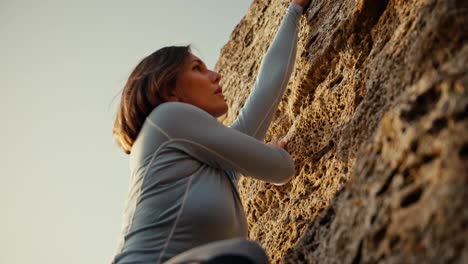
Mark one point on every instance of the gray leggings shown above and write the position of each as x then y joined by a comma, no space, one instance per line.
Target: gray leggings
237,250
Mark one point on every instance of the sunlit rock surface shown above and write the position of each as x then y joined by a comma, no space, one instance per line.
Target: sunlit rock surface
375,115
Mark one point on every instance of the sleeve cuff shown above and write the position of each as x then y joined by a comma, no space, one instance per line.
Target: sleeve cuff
295,9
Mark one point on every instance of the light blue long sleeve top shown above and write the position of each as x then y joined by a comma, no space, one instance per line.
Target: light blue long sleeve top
185,164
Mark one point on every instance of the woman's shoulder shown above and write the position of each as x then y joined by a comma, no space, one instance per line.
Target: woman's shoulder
172,108
170,116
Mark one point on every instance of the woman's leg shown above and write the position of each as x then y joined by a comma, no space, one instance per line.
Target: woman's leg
237,250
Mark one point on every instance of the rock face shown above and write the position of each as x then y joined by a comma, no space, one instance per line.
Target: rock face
375,115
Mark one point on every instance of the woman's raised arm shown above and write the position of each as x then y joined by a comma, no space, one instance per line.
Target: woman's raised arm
276,68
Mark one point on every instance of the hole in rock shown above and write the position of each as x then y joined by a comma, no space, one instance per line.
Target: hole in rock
248,38
463,153
329,214
437,125
414,145
358,257
411,198
336,81
394,240
387,183
380,235
459,116
428,158
423,104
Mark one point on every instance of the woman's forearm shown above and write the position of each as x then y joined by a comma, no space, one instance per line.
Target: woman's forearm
272,78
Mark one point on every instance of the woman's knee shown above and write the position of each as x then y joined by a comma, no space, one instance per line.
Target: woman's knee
236,250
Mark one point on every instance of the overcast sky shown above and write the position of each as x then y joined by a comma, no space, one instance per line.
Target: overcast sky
64,181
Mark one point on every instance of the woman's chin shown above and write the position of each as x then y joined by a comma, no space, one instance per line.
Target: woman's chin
221,111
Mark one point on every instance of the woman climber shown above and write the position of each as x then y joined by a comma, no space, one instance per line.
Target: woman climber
183,205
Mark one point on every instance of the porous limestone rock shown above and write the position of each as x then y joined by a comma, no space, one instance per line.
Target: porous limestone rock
375,116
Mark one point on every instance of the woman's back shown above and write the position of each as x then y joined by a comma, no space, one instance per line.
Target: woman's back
176,202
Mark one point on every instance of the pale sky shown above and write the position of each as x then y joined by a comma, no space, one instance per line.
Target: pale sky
64,181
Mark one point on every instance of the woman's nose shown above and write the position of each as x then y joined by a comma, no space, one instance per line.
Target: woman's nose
216,76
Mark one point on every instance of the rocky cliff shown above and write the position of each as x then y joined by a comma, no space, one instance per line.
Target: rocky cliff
375,115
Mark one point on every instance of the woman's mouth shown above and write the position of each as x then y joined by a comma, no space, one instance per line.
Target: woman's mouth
219,92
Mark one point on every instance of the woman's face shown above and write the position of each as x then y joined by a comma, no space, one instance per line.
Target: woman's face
198,85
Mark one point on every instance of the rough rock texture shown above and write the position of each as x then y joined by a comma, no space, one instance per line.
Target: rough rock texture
375,115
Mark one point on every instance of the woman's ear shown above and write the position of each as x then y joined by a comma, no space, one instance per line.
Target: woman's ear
173,96
170,94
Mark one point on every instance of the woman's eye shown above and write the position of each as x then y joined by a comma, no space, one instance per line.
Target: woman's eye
196,67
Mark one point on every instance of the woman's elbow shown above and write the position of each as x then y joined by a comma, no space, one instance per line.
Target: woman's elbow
284,175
